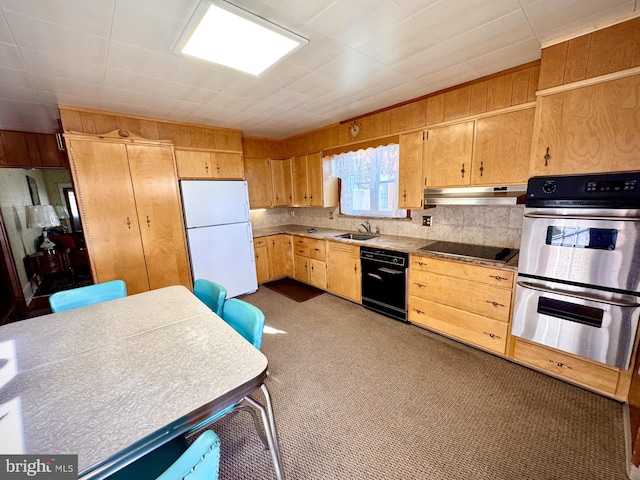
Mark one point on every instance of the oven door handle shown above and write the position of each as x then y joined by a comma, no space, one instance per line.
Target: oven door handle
581,217
391,271
377,277
582,296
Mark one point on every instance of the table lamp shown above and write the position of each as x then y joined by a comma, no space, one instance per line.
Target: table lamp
63,215
43,216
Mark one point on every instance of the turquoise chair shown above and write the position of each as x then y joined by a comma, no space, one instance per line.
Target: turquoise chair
83,296
201,461
211,294
248,321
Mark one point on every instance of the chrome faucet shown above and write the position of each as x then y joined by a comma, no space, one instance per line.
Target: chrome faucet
366,226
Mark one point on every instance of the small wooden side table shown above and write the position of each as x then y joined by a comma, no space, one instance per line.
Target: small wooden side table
48,264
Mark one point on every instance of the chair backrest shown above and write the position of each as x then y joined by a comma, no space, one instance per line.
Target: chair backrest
211,294
203,456
83,296
246,319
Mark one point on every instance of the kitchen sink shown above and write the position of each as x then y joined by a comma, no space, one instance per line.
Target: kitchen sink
356,236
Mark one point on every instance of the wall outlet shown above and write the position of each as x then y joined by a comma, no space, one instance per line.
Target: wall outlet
330,215
426,221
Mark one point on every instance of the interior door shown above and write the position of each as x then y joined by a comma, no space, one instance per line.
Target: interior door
105,196
159,209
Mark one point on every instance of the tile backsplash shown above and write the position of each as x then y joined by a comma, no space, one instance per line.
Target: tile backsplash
478,224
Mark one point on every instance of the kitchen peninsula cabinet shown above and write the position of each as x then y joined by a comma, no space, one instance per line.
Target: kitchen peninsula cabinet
282,184
466,301
131,212
209,165
591,129
343,270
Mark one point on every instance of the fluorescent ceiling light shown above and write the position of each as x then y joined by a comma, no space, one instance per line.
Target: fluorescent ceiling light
222,33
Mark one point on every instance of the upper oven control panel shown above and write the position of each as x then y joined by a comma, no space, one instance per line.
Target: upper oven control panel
603,190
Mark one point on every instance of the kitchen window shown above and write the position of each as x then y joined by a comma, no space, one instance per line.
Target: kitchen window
369,182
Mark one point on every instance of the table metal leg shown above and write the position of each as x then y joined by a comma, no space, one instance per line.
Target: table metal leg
270,429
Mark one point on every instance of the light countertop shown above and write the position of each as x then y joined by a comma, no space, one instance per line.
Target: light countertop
410,245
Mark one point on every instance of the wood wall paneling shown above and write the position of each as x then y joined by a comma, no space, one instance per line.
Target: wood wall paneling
552,66
614,48
16,150
34,151
499,92
48,150
435,109
457,103
534,77
577,59
478,98
520,89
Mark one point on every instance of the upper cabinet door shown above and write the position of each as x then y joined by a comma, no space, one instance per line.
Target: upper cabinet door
160,215
315,179
502,148
108,209
448,155
410,178
258,174
300,182
282,186
194,164
588,130
227,165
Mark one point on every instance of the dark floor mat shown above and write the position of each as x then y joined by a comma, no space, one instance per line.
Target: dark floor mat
298,291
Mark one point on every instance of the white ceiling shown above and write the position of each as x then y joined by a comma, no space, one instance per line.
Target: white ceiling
117,55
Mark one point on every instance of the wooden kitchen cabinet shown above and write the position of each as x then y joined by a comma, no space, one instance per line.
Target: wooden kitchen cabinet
502,147
312,185
466,301
29,150
411,182
281,255
131,212
209,165
261,254
343,270
578,370
257,172
301,259
590,129
448,155
282,183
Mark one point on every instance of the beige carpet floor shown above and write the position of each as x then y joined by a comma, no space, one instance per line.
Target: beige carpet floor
360,396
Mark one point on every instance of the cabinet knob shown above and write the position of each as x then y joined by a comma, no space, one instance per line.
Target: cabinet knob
481,168
404,195
148,222
561,365
128,223
462,170
547,157
206,167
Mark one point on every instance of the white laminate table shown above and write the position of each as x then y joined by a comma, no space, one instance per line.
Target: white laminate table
110,382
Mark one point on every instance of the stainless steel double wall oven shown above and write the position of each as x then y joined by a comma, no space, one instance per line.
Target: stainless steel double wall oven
578,284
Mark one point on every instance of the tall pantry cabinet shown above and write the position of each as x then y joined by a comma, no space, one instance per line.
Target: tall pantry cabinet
127,191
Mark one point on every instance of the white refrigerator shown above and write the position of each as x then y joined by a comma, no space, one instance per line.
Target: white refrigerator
216,214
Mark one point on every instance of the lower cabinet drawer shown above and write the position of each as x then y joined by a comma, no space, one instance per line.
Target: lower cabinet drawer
482,331
580,371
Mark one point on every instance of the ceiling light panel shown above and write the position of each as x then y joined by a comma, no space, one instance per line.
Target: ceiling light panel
222,33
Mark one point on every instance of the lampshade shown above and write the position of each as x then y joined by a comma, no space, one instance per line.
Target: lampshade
42,216
62,212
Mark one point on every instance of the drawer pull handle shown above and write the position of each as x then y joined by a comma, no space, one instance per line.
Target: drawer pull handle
148,221
561,365
128,223
420,285
498,277
492,335
422,264
495,304
419,312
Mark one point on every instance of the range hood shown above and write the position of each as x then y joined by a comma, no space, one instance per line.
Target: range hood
503,195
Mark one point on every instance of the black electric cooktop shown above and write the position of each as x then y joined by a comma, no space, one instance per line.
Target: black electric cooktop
468,250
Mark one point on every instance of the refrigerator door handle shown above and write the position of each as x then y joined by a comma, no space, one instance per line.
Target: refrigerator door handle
250,238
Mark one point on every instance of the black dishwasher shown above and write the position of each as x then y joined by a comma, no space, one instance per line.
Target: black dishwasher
384,281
